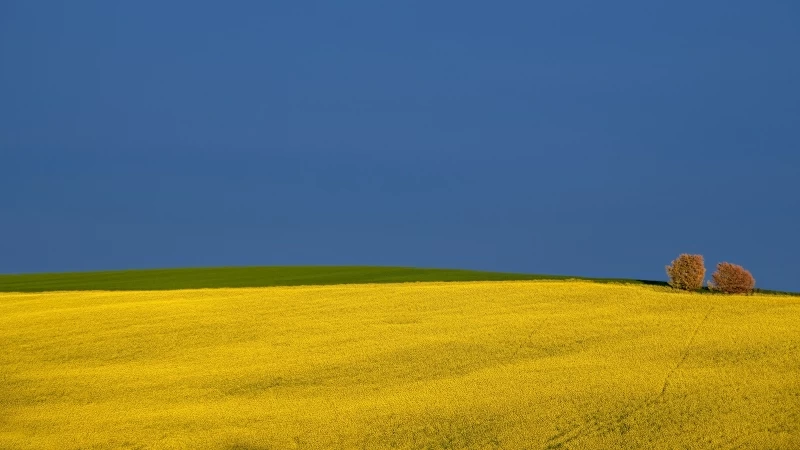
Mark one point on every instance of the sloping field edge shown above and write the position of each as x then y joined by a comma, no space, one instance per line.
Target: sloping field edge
265,276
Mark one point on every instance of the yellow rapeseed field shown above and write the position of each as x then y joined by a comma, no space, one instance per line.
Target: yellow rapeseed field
523,364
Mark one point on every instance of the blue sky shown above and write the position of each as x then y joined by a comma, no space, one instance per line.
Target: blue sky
576,137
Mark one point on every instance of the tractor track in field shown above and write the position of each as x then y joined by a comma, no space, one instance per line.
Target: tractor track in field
563,438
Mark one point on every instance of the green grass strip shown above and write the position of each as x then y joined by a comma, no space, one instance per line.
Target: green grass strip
219,277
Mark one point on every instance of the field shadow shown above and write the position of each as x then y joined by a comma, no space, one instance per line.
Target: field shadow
652,283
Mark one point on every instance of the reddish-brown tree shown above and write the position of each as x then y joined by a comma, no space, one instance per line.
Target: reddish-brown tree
687,272
732,279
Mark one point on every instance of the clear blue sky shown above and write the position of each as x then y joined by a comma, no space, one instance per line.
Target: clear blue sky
572,137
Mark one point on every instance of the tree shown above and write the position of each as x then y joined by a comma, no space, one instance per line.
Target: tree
687,272
732,279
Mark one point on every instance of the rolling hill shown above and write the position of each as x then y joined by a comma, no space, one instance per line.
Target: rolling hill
431,365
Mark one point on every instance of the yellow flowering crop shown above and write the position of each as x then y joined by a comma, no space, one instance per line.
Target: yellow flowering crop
519,364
